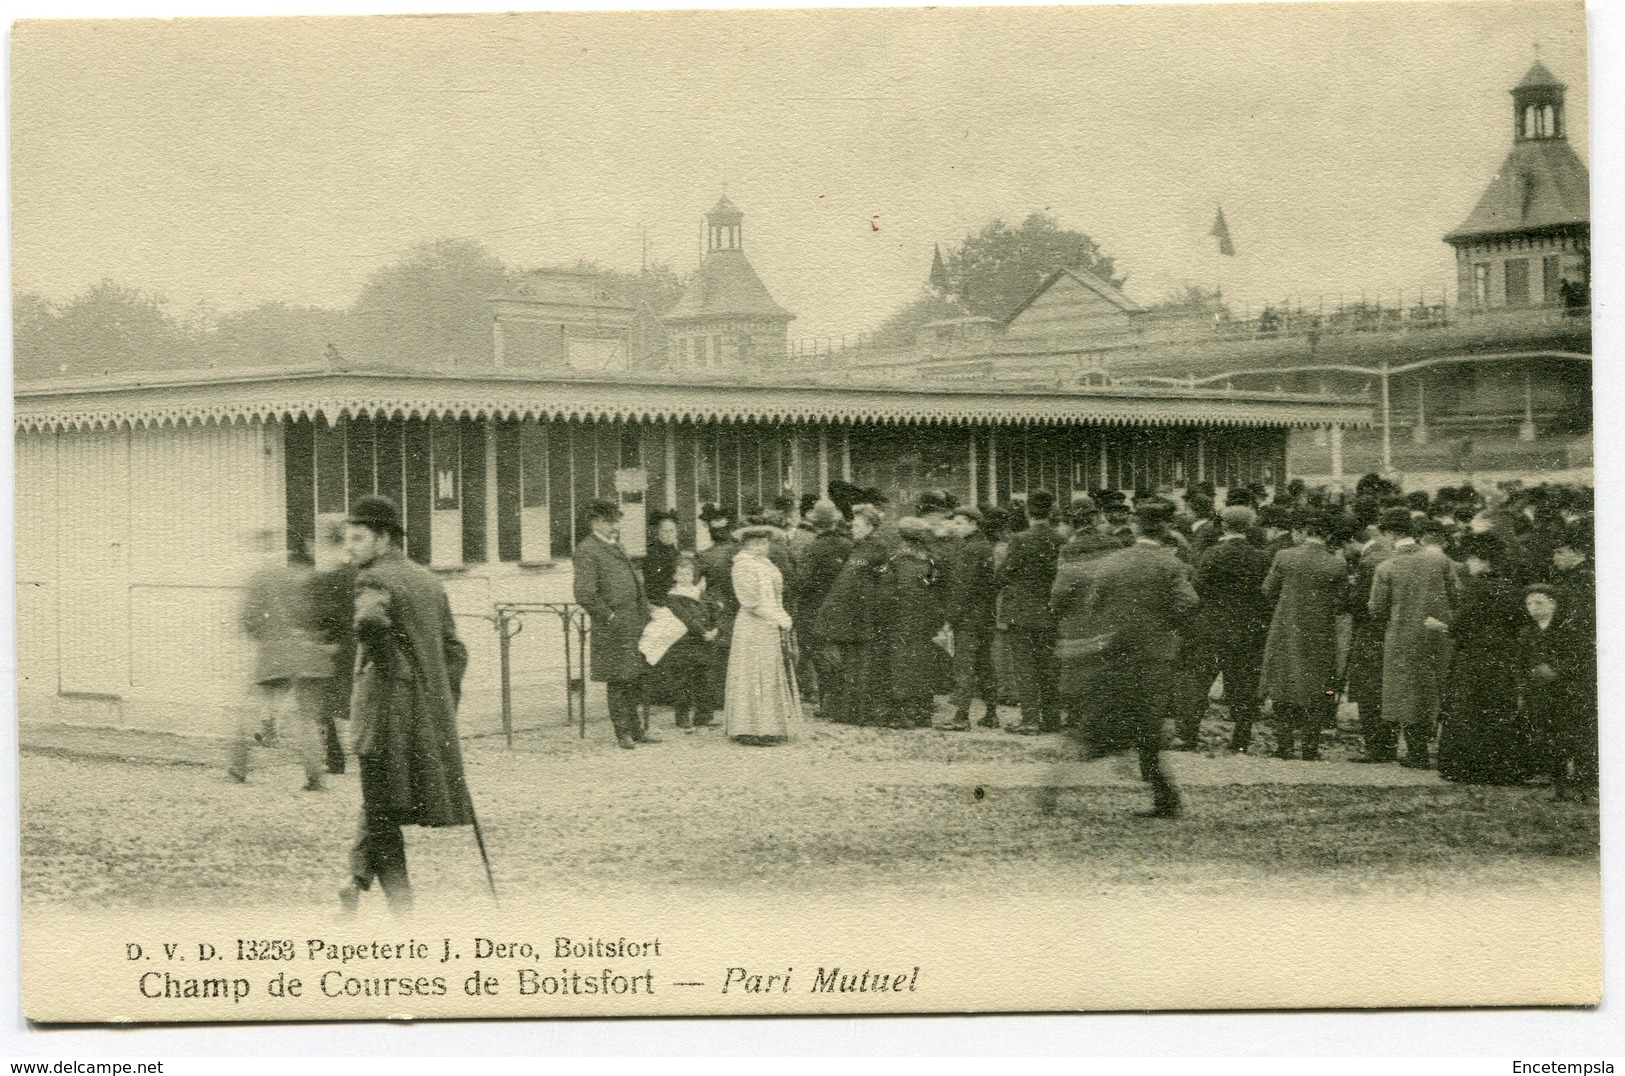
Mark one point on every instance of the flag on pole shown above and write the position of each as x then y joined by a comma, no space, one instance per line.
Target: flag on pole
1221,232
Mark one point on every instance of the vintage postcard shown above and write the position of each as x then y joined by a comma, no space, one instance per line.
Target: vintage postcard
805,512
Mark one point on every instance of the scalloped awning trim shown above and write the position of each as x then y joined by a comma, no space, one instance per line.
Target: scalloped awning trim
332,395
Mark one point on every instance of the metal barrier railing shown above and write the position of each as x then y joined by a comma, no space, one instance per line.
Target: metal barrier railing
510,621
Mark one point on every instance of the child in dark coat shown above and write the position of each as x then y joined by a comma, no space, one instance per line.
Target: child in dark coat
685,671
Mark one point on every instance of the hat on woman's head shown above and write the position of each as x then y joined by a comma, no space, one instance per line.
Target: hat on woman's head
756,530
376,513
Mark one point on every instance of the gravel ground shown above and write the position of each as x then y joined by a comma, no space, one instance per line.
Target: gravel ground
124,820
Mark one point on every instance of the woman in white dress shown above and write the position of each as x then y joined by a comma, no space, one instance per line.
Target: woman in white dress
760,705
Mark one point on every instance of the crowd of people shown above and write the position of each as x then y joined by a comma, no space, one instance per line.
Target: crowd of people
1463,625
1457,619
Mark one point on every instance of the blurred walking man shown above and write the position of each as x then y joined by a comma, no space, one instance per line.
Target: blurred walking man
1137,598
404,705
289,666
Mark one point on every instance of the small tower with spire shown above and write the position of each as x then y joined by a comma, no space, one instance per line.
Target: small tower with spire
726,318
1528,240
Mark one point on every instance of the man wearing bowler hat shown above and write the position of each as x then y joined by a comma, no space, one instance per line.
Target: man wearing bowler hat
409,675
608,589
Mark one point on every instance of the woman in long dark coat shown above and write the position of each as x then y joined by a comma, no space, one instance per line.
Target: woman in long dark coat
915,610
847,628
1486,739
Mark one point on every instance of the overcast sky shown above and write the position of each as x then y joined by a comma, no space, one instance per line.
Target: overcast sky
247,161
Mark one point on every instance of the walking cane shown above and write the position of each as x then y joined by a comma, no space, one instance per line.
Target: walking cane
479,840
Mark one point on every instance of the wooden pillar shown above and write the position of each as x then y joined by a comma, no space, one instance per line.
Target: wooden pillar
1526,428
1419,433
493,555
671,465
796,482
1337,457
971,438
823,461
1387,425
993,464
846,453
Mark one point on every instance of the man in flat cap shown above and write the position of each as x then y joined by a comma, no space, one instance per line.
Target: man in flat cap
609,590
1135,602
409,675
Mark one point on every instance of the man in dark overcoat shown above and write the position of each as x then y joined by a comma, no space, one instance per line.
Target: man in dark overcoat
1414,593
972,594
1025,579
1226,636
409,675
817,568
1135,601
1308,583
609,590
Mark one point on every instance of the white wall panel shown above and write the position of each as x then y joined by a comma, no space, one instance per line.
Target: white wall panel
93,561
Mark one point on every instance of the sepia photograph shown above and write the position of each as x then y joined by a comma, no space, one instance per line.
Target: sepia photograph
775,512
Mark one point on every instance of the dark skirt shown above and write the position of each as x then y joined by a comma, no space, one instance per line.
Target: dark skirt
1486,738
